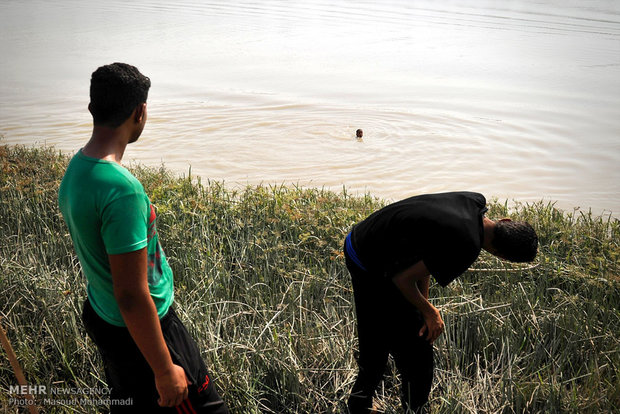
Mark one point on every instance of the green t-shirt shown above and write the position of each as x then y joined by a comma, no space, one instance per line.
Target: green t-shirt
108,212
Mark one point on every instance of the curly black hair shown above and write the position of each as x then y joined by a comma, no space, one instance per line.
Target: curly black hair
515,241
115,91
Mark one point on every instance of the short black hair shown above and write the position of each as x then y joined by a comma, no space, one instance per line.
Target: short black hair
115,91
515,241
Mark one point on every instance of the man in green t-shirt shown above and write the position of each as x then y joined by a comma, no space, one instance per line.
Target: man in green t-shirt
149,358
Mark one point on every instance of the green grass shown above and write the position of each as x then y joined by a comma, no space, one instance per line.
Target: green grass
261,284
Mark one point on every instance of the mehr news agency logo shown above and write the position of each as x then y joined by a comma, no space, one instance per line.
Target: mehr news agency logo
63,396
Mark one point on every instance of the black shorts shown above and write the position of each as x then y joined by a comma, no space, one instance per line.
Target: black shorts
130,377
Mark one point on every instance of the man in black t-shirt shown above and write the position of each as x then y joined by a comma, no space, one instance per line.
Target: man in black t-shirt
391,255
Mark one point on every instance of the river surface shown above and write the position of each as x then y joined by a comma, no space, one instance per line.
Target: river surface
519,100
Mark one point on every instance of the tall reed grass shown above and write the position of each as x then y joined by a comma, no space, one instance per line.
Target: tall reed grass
261,284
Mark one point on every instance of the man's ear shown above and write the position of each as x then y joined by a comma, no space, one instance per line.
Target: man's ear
140,112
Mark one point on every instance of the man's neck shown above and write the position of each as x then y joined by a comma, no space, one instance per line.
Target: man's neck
488,226
107,144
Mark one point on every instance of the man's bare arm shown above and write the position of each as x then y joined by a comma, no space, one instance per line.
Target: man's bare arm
409,282
423,286
129,279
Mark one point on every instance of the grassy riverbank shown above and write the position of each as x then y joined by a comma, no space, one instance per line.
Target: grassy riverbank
261,283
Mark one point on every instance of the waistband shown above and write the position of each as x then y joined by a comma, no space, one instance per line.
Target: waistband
352,254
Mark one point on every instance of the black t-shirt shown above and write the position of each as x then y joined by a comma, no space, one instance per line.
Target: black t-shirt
443,230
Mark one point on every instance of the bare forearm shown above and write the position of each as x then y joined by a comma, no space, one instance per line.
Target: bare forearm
131,291
413,284
423,286
140,316
412,292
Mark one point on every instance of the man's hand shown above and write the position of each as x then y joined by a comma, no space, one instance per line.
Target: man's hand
433,325
172,387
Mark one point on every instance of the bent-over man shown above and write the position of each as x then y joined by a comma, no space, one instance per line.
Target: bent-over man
391,255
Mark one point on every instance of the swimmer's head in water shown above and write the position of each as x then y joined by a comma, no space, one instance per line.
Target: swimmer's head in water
359,133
